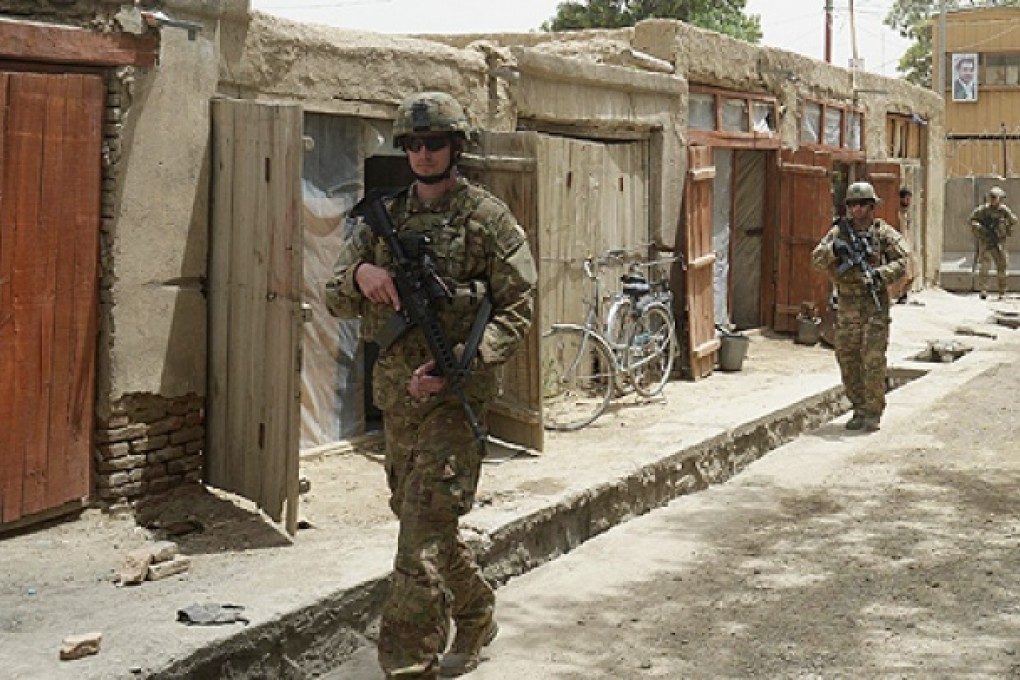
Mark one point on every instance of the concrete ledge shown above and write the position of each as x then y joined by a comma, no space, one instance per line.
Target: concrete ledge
323,635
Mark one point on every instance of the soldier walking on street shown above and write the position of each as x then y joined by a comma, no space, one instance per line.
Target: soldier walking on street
992,223
862,255
433,453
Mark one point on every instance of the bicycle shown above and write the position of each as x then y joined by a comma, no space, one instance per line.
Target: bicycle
583,364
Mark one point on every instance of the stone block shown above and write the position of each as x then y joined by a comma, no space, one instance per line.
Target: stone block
79,646
178,565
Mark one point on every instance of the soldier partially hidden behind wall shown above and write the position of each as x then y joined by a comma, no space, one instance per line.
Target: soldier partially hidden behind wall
433,452
992,223
863,256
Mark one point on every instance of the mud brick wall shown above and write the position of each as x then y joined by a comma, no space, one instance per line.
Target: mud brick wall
84,13
147,446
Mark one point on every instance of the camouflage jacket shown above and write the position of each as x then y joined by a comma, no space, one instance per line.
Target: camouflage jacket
890,256
477,245
1000,218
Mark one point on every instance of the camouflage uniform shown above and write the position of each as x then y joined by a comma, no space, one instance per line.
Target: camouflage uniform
1002,220
862,331
432,458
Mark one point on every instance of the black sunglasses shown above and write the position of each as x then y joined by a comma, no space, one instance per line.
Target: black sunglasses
431,143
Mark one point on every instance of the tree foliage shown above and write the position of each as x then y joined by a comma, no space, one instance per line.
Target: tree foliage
915,20
724,16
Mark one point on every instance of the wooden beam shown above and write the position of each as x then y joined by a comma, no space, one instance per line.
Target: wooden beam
62,44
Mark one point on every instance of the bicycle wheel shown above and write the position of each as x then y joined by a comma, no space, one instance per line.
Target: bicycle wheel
577,377
652,350
619,323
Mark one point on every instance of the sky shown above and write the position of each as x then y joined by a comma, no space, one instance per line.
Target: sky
794,25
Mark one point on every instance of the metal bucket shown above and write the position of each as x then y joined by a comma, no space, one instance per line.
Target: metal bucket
808,330
732,350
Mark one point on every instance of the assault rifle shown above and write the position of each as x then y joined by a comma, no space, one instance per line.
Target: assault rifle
990,227
854,250
421,291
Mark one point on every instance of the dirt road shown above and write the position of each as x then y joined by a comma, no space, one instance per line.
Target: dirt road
838,556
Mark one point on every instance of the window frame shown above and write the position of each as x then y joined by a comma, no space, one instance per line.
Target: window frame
846,113
721,136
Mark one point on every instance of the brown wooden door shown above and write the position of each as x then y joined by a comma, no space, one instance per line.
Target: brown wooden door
255,318
506,165
805,215
885,177
50,140
702,343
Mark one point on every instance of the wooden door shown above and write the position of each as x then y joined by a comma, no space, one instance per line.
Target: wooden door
506,165
702,342
885,177
50,183
805,215
255,319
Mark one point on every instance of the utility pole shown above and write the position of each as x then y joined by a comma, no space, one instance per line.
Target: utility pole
942,48
828,31
853,32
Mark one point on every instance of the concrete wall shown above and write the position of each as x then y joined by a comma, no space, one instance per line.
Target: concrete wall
963,194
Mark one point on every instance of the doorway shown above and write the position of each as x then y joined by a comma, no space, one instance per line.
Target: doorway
738,219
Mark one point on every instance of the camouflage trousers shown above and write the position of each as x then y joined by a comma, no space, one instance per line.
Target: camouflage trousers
862,337
985,256
432,466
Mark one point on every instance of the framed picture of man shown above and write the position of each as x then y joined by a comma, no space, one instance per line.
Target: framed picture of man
965,82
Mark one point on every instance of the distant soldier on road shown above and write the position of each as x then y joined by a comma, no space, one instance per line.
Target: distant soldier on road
992,223
478,252
863,256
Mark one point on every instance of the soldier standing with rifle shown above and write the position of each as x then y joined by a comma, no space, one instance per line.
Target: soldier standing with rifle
440,340
862,255
992,223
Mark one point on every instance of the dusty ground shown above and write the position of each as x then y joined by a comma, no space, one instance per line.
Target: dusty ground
830,558
57,581
840,555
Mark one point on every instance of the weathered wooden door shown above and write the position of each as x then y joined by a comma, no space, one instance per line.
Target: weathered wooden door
702,343
50,182
885,177
594,199
255,283
805,215
506,165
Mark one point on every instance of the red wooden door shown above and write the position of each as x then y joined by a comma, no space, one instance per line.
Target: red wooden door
805,214
702,342
50,136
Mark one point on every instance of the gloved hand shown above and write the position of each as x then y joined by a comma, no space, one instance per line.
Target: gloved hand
840,248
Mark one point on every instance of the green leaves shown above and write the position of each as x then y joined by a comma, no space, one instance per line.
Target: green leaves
723,16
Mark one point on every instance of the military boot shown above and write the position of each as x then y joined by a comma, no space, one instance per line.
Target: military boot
856,422
870,424
465,654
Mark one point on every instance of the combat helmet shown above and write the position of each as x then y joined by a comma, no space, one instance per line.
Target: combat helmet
430,112
861,191
997,192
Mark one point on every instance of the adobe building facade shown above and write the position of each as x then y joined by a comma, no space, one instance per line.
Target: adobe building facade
632,102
